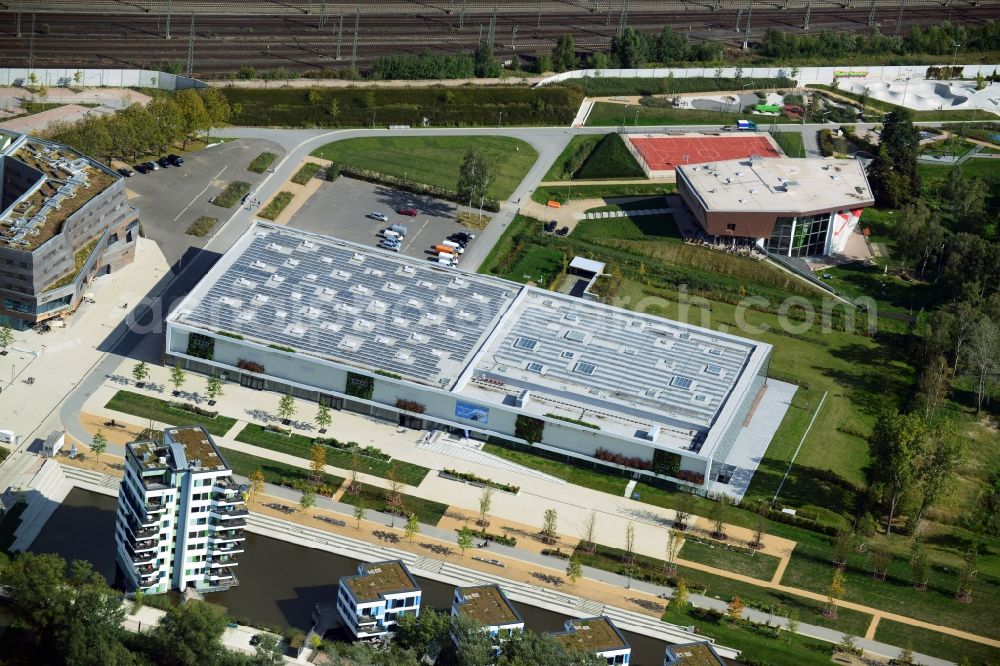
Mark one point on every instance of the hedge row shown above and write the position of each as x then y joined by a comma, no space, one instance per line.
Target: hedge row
408,186
442,107
605,87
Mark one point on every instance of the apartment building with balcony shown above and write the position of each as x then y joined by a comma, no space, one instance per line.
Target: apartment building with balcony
489,606
370,602
598,635
64,220
181,516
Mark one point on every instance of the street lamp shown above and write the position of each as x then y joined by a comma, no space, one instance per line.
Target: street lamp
954,56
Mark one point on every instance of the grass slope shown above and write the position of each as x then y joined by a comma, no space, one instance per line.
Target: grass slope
246,464
436,160
147,407
373,498
755,565
572,156
610,158
587,478
610,114
791,143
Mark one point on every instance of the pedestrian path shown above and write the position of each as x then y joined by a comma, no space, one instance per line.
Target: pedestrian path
470,451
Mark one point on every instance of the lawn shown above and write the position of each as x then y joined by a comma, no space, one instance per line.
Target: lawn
436,160
651,569
246,464
609,114
641,227
300,446
277,204
201,226
232,195
305,174
755,565
934,643
427,511
538,264
786,650
610,158
573,155
580,476
951,146
147,407
791,143
262,162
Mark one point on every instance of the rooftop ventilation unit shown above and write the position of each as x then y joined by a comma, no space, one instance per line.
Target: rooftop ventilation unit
522,399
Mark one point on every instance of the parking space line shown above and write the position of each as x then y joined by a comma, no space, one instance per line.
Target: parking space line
191,203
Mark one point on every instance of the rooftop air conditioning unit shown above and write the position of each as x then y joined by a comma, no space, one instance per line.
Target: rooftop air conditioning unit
523,398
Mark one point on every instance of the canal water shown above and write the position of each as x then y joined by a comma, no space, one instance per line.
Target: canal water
280,583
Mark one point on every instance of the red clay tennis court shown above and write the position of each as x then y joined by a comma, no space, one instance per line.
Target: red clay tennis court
665,153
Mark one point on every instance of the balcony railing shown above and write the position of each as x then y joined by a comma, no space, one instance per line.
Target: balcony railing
366,620
146,544
227,498
143,557
230,511
155,506
226,483
226,534
146,532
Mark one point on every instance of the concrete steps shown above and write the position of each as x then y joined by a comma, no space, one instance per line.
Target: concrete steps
45,492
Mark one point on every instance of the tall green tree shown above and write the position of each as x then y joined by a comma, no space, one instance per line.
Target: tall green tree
190,635
893,173
486,66
177,377
474,176
564,55
216,106
671,46
6,337
943,455
192,115
982,358
631,48
895,446
286,407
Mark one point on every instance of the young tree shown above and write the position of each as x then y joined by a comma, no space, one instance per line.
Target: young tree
679,601
6,338
359,513
256,484
629,556
355,465
286,408
682,513
793,623
848,644
412,527
834,592
317,462
464,539
213,389
588,533
895,446
485,502
99,444
323,418
905,657
394,494
308,499
934,385
881,561
758,533
177,377
573,570
735,609
674,542
549,522
475,176
718,526
919,565
140,372
842,543
967,575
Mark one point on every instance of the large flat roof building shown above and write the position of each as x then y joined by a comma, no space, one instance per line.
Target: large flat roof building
795,207
64,219
400,339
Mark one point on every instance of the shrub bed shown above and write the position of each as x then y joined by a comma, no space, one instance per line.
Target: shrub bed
472,478
201,226
278,204
261,163
501,539
195,409
354,447
567,419
305,174
232,195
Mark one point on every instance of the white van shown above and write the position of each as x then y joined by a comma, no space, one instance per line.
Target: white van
390,234
453,245
446,259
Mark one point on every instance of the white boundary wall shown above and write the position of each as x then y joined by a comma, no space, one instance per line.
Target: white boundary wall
804,75
99,78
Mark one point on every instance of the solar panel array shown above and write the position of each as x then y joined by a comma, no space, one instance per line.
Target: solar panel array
558,342
353,305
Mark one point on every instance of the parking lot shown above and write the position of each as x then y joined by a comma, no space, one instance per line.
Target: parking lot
340,208
169,200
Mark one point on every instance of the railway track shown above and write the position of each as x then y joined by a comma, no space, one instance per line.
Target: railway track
295,41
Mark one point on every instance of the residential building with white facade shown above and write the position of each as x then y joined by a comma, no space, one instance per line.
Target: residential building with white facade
181,516
598,635
370,602
434,348
489,606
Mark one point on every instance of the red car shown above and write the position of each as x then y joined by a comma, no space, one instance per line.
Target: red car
411,212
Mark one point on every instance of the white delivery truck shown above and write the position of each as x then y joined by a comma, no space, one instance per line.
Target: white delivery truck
446,259
453,245
53,443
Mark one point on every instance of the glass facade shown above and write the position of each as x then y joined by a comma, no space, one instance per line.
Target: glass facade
800,236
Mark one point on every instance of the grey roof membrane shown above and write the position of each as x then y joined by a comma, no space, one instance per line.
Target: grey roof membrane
348,303
583,351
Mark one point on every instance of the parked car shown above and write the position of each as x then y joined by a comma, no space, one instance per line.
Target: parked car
550,226
128,173
163,162
562,232
387,244
398,228
153,166
381,217
143,168
175,160
409,212
462,237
